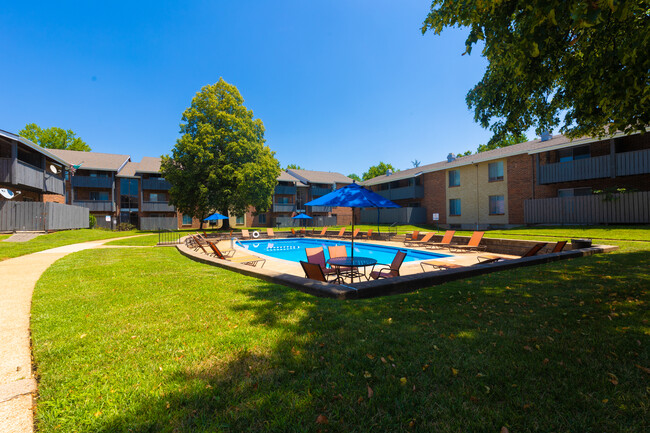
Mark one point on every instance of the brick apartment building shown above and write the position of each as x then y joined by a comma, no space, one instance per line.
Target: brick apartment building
550,180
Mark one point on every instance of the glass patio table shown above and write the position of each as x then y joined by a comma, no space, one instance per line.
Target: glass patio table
350,267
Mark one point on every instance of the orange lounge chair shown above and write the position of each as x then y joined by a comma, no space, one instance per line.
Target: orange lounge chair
356,232
444,243
245,234
425,240
414,236
392,270
270,233
491,258
323,233
559,247
472,245
245,260
340,234
369,234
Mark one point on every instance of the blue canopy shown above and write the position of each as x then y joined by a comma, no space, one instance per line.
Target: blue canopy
352,195
302,216
215,217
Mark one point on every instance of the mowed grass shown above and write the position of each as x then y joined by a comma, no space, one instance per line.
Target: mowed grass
10,250
146,340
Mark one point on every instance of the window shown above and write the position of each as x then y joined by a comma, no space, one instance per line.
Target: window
261,218
495,171
157,196
497,205
239,220
454,207
99,195
574,153
454,178
573,192
187,220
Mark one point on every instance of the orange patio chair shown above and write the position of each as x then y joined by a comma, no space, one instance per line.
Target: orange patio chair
559,247
392,270
317,256
425,240
313,271
244,260
472,245
245,234
491,258
270,233
444,243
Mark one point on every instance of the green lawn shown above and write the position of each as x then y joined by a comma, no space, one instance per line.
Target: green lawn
10,250
147,340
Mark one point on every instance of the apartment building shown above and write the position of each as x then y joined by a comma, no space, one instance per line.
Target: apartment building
538,181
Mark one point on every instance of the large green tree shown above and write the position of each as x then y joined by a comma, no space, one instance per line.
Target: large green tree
220,162
378,170
579,64
53,138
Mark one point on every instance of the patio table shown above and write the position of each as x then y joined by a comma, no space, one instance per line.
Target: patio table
354,263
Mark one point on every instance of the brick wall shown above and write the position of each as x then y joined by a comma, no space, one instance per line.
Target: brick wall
53,198
344,215
435,200
520,185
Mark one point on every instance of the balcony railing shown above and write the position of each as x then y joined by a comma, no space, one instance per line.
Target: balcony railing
407,192
284,207
92,182
318,191
28,175
285,190
157,206
54,184
580,169
5,170
96,205
630,163
156,183
321,209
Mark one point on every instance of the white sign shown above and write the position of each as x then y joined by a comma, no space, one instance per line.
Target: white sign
436,216
108,218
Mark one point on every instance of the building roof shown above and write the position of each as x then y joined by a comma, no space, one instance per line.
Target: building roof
129,170
36,147
309,176
529,147
149,164
286,177
93,160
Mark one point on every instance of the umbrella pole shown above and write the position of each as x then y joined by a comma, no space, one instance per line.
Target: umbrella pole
352,248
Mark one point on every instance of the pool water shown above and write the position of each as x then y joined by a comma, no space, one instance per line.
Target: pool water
294,249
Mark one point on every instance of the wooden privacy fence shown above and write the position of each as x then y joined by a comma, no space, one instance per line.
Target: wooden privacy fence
591,209
158,223
39,216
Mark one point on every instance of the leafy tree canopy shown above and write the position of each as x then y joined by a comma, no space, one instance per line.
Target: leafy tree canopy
53,138
294,167
220,162
354,177
507,140
585,60
378,170
416,163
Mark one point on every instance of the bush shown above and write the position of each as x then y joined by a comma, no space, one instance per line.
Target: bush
92,221
124,227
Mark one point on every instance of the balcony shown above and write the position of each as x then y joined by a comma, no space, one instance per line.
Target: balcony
317,191
407,192
284,207
96,205
92,182
54,184
631,163
285,190
157,183
321,208
579,169
157,206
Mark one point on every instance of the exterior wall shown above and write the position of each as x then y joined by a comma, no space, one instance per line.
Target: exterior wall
474,192
435,196
639,182
53,198
520,183
195,222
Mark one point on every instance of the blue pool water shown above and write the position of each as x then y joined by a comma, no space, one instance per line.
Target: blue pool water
294,249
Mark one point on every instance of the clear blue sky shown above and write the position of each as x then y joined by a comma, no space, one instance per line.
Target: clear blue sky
339,85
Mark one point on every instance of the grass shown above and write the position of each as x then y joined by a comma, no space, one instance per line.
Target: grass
140,241
10,250
140,341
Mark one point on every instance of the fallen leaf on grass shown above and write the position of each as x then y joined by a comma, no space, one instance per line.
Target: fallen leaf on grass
383,360
454,371
403,381
504,430
528,348
322,419
367,375
613,379
370,356
647,370
370,392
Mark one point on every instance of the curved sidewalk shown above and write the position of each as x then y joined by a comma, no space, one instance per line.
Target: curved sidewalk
18,278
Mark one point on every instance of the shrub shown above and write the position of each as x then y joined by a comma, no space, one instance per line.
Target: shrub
92,221
124,227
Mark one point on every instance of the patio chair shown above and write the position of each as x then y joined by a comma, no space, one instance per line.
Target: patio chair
340,233
303,232
559,247
472,245
323,233
491,258
340,251
423,242
270,233
392,270
197,244
414,236
369,234
356,232
245,234
444,243
313,271
244,260
293,233
215,252
317,256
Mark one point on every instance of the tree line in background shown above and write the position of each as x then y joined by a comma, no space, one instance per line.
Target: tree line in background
53,138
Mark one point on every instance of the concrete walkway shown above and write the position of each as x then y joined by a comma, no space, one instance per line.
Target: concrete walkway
18,278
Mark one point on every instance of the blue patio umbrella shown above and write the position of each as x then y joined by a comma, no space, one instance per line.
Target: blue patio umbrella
302,216
354,196
215,217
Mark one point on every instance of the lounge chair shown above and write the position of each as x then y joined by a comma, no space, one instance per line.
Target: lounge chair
472,245
270,233
303,232
245,234
323,233
392,270
317,256
439,265
369,234
414,236
444,243
313,271
424,241
340,234
245,260
356,232
559,247
491,258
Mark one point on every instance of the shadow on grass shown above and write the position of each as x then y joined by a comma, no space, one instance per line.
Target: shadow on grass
554,347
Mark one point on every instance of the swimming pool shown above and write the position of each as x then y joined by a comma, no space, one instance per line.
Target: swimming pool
293,249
